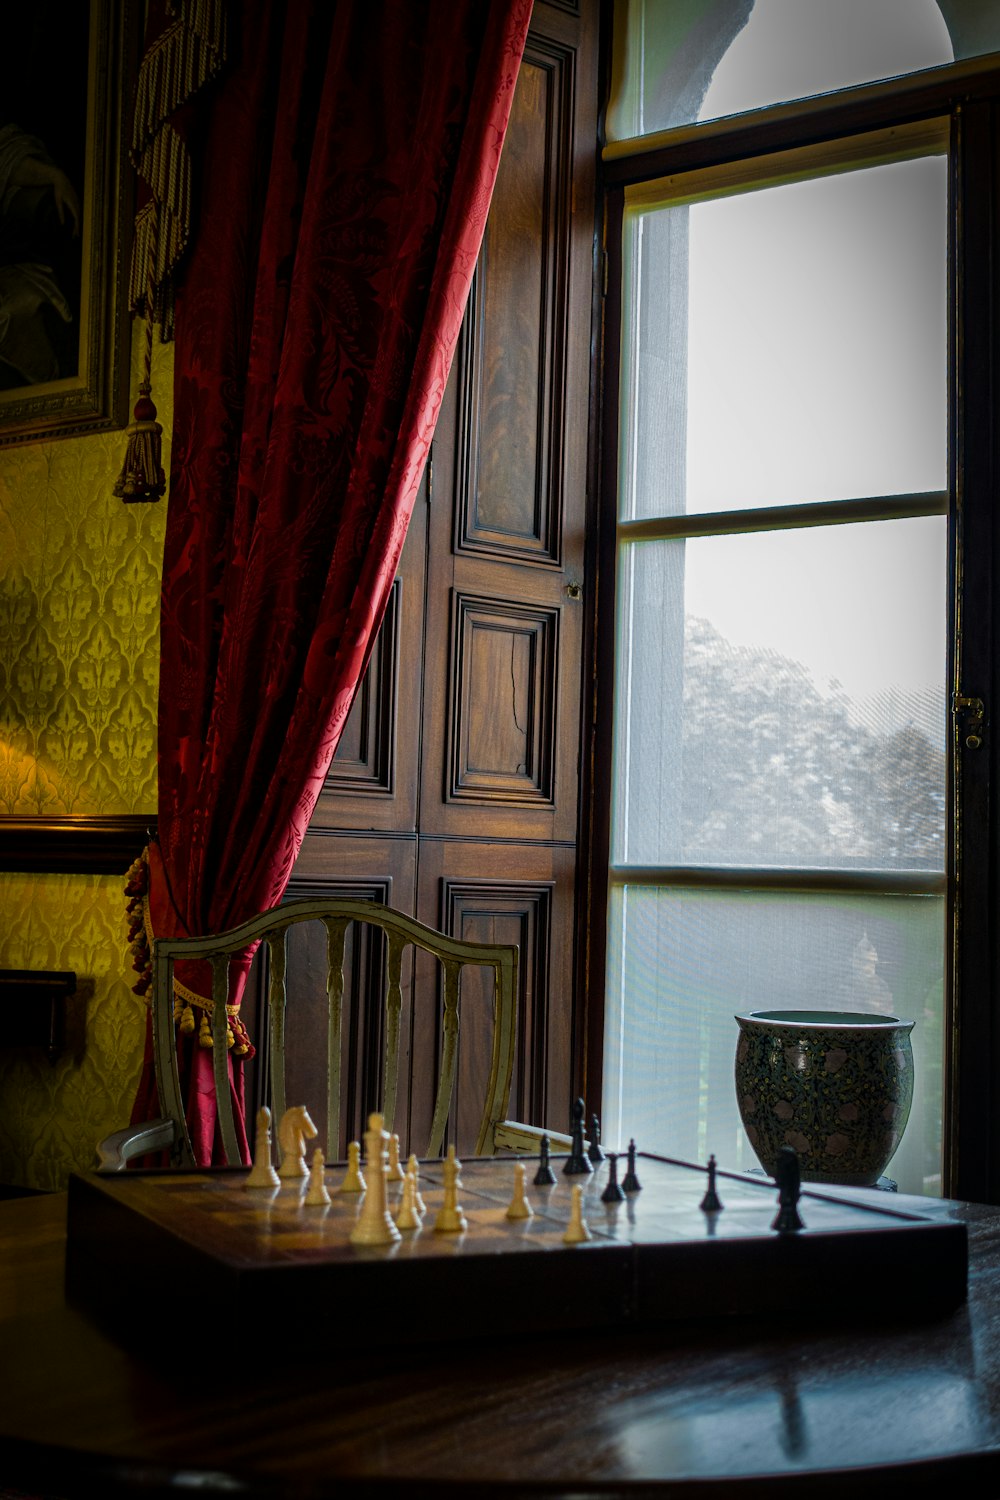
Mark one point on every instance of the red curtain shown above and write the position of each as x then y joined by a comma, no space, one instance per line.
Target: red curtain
347,172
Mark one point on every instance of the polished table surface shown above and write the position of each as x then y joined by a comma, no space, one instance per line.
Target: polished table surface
739,1408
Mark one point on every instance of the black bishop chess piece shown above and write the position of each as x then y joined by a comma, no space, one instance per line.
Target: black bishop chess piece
711,1203
789,1180
614,1192
577,1163
545,1176
595,1153
631,1183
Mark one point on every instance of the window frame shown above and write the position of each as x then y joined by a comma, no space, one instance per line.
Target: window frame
969,94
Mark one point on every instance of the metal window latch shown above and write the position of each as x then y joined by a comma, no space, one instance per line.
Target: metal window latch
975,724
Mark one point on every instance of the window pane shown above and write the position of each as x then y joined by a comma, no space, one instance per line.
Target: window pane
781,699
688,60
684,962
787,345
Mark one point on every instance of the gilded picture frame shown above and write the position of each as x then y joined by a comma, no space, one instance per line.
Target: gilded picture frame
66,206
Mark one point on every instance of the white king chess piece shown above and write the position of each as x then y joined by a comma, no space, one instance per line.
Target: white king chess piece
374,1225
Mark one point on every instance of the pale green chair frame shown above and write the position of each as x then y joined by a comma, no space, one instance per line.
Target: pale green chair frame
271,927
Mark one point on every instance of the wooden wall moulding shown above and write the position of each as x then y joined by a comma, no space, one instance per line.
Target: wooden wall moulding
365,759
73,845
521,913
503,709
511,366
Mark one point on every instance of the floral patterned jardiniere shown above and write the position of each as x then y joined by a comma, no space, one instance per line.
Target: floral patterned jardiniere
836,1085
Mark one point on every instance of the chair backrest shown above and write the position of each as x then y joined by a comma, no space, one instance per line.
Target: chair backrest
400,931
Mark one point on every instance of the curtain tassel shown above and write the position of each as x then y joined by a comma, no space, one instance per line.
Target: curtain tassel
142,475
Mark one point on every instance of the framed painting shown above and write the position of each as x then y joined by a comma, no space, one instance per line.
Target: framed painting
65,216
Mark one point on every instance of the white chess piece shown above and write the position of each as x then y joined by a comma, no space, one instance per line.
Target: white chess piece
450,1219
374,1225
353,1181
519,1207
576,1230
394,1172
408,1217
316,1193
413,1168
262,1173
294,1129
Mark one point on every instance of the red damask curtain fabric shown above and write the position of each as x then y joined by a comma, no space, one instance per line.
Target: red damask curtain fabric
348,167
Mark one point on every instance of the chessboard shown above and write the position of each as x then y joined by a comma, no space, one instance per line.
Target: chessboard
276,1272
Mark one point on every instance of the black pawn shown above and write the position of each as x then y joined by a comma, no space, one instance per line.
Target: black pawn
711,1203
595,1153
789,1180
614,1192
545,1176
576,1162
631,1183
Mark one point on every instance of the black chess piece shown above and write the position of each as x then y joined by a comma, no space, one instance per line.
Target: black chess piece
595,1153
631,1183
711,1203
545,1176
789,1181
614,1192
577,1162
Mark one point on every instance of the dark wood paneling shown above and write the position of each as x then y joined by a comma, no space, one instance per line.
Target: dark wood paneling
372,782
501,912
490,671
74,845
511,370
365,760
503,711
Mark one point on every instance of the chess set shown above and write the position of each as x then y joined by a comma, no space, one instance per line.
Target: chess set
310,1259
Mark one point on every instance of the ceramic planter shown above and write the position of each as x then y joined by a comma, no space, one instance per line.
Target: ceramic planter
836,1085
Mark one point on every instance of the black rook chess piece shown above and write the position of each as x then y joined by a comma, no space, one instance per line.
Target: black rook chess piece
614,1192
577,1162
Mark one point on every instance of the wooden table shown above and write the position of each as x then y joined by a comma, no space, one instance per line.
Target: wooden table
730,1409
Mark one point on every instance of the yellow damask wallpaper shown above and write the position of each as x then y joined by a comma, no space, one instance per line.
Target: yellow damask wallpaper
79,657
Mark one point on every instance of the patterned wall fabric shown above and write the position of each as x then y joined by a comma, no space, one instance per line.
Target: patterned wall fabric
52,1114
79,619
79,661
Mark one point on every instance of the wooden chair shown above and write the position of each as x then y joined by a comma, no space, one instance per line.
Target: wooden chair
272,927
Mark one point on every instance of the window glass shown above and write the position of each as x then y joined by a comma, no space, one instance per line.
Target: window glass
685,962
787,345
688,60
782,699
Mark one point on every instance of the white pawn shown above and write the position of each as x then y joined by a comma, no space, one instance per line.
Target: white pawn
519,1207
262,1173
316,1193
576,1230
374,1226
451,1157
408,1217
394,1172
353,1181
413,1170
450,1219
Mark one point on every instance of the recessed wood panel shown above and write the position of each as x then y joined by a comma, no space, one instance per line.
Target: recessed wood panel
511,363
503,703
501,913
365,757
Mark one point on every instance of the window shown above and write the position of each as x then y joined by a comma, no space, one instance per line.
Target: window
797,478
